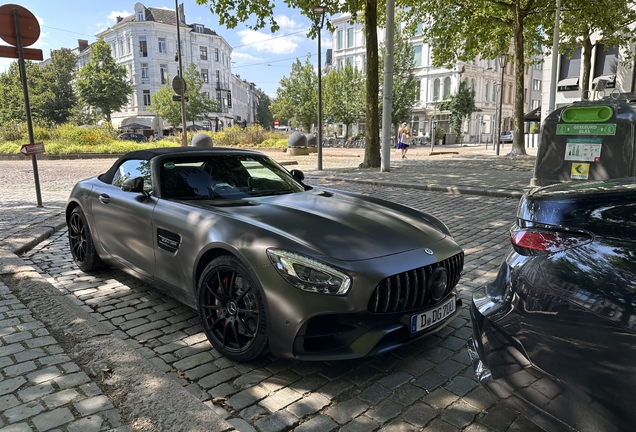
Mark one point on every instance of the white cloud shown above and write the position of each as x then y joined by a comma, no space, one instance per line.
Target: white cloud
281,42
287,23
112,19
240,58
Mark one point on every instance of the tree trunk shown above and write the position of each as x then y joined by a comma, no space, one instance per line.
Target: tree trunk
518,146
346,132
372,132
587,65
108,116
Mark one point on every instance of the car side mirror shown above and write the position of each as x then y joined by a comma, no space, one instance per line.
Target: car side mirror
298,174
135,184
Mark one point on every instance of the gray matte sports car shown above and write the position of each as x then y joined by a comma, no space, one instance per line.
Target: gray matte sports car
269,262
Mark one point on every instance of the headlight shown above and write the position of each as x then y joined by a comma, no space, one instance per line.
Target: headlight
308,274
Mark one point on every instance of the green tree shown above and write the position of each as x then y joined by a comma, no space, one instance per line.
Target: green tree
102,83
580,21
344,96
199,104
264,115
40,93
297,95
461,105
163,105
232,12
463,31
404,90
60,74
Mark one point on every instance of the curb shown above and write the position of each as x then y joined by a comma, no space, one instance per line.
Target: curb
147,392
466,190
31,237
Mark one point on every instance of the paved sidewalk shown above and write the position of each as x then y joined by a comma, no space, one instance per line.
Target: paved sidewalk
166,376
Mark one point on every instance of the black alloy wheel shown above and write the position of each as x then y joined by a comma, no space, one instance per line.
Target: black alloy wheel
231,310
81,242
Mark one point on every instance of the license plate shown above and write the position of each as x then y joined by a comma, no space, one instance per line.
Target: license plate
432,316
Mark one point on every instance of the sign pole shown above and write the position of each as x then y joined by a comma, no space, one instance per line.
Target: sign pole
27,105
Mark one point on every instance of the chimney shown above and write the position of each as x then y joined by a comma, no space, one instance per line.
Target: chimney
82,44
119,19
181,13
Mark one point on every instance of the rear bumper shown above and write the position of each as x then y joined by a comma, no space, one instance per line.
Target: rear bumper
503,367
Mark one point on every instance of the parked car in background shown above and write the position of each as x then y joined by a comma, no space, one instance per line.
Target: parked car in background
132,137
506,137
555,333
269,263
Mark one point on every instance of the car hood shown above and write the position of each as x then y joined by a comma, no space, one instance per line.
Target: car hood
343,226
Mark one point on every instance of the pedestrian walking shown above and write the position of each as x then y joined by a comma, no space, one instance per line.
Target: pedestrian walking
404,139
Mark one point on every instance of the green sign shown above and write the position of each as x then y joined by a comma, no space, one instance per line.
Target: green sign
586,129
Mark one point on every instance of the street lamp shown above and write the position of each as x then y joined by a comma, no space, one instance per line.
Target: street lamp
319,15
503,60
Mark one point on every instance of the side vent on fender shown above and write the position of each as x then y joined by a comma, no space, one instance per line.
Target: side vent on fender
168,241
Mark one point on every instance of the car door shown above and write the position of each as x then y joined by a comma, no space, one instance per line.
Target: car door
123,220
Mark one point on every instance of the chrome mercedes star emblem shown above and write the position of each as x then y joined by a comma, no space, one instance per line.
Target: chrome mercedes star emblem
428,251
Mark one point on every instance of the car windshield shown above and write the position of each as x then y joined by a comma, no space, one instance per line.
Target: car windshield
227,176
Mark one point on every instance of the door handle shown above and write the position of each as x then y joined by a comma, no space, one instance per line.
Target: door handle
104,199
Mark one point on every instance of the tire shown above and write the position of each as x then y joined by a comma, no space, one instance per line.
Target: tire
81,243
231,310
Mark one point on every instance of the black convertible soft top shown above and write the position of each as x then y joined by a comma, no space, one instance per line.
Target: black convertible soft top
148,154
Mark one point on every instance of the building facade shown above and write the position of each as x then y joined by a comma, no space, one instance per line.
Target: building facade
609,73
146,44
436,84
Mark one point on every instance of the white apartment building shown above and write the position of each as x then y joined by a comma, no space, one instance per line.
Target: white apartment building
146,44
436,84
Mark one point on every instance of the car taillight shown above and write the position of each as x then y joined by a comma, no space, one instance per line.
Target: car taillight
538,241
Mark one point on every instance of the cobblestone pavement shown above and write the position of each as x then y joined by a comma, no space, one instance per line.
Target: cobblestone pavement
41,388
428,385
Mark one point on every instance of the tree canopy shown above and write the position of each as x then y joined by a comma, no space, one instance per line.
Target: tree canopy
344,96
463,31
60,73
261,12
199,104
264,115
461,105
163,105
404,89
101,82
297,95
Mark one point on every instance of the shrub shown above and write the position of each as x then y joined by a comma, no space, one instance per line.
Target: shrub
13,131
535,128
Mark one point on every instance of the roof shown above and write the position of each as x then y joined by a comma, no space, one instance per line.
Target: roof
163,16
149,154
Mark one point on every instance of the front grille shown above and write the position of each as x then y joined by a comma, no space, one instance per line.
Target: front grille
407,291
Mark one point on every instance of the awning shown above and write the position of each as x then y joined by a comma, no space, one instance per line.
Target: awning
610,78
533,116
568,82
138,123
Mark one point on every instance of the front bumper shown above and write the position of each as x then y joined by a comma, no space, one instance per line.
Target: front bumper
312,326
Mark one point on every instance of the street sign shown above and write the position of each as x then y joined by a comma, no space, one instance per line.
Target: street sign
276,123
32,149
29,53
29,26
177,98
586,129
179,85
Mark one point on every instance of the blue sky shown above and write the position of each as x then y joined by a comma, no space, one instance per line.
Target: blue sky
258,56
